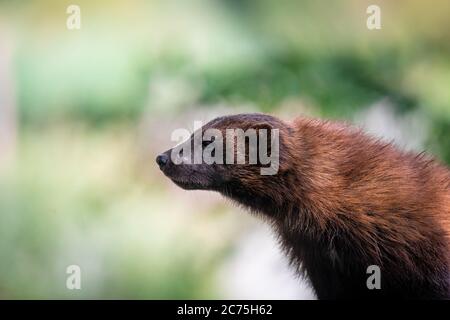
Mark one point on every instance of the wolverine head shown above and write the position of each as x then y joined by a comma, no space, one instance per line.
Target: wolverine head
232,154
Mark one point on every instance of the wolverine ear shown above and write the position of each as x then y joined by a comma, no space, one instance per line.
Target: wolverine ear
274,135
260,127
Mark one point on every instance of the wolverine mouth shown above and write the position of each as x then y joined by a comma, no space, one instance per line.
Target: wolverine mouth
187,185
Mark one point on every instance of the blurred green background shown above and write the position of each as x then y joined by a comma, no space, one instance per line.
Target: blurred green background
83,113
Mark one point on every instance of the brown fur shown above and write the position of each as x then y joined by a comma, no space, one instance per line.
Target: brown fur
342,201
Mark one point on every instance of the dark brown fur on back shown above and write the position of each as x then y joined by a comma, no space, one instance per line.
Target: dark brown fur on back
343,201
359,202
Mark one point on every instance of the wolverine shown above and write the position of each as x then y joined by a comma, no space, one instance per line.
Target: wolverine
340,201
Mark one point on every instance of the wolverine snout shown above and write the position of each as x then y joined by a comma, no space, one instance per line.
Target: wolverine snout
162,160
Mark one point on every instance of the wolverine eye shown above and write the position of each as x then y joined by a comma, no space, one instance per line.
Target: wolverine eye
208,142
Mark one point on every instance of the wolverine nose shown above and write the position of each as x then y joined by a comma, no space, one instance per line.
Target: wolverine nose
161,160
